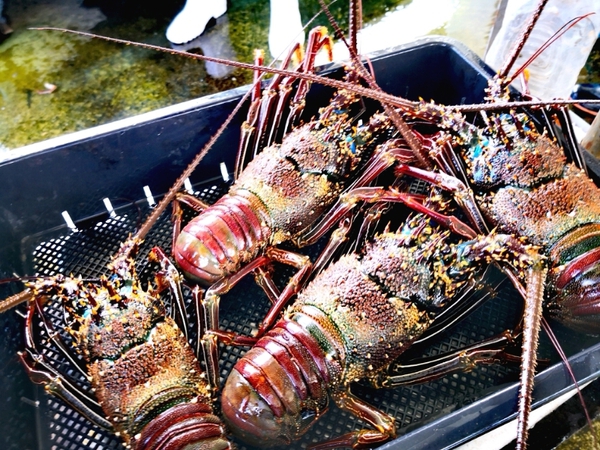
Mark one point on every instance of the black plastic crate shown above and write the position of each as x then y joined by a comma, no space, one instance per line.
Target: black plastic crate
76,172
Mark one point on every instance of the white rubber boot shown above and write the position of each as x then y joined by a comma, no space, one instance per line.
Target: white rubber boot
285,28
191,21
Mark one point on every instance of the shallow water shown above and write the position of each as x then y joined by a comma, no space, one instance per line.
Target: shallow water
99,82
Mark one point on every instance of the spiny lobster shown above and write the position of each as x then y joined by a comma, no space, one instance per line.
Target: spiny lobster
354,319
149,388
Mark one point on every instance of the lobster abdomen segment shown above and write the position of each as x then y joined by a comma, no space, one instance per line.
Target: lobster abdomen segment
182,427
226,235
576,299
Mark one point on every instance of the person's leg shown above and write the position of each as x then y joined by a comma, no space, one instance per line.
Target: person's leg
285,28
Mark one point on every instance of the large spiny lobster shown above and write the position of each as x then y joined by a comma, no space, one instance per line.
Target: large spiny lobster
354,319
149,388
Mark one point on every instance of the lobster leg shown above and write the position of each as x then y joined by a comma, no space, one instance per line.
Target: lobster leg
473,297
338,237
383,159
304,266
52,336
54,382
210,303
413,201
488,351
272,254
169,277
248,128
265,281
318,39
384,424
462,194
269,125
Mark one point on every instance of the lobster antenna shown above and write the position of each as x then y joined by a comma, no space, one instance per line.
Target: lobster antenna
565,360
502,73
25,295
337,84
476,107
15,300
366,92
557,35
355,19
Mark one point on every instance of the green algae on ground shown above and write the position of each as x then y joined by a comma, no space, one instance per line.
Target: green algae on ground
97,82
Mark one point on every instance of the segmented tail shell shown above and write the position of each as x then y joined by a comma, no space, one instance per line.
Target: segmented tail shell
187,425
278,389
218,241
577,299
575,295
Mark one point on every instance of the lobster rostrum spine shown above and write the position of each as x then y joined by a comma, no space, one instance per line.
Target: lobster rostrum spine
145,376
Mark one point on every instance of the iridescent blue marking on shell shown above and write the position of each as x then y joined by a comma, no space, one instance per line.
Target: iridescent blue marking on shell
351,143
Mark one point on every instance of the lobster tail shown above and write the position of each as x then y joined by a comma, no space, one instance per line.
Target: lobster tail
577,299
214,244
277,390
184,426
